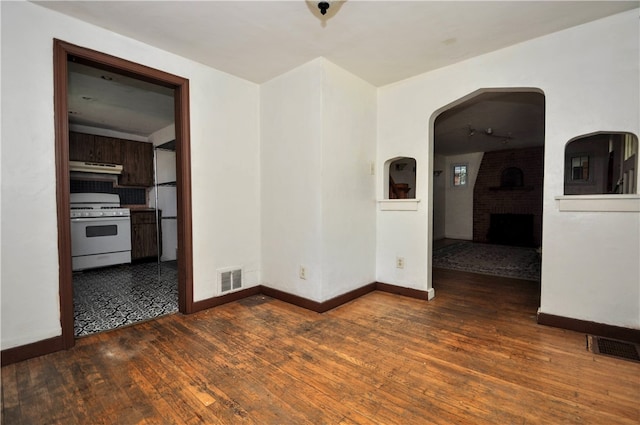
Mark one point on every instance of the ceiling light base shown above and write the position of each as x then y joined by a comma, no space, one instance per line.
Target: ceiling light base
323,6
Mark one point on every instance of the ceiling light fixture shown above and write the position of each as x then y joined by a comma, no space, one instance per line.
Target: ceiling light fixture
323,6
489,131
327,9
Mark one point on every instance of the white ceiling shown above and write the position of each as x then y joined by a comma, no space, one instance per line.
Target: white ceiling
491,121
106,100
380,41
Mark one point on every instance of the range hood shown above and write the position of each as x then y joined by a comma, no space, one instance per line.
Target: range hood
95,167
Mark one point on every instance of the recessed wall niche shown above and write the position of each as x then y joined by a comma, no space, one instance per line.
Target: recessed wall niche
601,163
401,172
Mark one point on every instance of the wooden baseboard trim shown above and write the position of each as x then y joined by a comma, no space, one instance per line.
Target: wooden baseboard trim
400,290
344,298
314,305
224,299
29,351
291,299
593,328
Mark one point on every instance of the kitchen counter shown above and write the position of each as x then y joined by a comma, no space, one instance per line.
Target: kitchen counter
138,208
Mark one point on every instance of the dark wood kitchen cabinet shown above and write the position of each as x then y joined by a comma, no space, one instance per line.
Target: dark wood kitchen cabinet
144,239
108,150
136,158
91,148
81,146
137,164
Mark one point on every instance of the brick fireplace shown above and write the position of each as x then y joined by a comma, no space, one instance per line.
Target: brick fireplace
507,198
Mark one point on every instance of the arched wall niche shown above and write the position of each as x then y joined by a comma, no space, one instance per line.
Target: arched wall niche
600,163
400,175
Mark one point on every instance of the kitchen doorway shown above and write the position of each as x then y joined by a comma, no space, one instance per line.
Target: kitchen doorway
180,86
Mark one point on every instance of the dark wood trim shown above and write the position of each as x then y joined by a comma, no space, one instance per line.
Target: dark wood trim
183,182
315,305
593,328
224,299
61,121
61,52
345,298
405,292
35,349
290,298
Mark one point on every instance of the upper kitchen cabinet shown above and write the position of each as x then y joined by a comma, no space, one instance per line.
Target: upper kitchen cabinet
108,150
137,164
87,147
81,146
136,158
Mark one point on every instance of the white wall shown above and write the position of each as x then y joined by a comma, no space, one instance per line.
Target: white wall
590,78
224,128
595,274
318,141
348,187
459,200
291,191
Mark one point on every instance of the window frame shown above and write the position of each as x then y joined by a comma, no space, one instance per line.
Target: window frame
571,167
464,183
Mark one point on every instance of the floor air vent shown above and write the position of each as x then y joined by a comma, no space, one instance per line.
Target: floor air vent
230,279
613,348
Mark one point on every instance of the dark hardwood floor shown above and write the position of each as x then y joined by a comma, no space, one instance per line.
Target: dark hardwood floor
472,355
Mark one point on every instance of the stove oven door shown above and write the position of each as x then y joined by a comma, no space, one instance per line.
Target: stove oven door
100,241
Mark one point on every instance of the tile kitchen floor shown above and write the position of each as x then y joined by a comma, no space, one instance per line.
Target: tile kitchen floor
112,297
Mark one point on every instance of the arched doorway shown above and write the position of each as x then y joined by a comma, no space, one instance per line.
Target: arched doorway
488,154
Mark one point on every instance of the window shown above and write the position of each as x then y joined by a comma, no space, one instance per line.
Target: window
459,175
601,163
580,168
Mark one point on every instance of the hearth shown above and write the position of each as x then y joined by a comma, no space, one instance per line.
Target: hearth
511,229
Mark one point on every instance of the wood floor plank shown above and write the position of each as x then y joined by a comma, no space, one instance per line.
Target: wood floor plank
474,354
10,398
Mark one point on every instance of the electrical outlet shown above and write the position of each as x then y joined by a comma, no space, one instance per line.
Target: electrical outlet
400,262
303,272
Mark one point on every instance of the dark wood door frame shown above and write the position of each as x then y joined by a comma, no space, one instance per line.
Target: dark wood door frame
62,51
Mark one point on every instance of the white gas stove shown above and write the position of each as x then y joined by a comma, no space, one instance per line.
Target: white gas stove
100,231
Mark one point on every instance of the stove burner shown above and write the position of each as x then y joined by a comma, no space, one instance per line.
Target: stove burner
96,206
